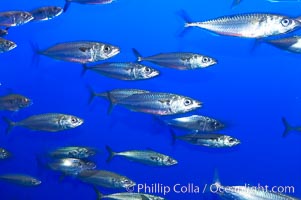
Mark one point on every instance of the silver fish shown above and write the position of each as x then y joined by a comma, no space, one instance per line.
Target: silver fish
14,18
46,13
124,71
159,103
196,122
249,25
247,193
208,140
147,157
51,122
128,196
179,60
6,45
20,179
73,152
292,44
70,166
105,179
14,102
3,32
81,51
289,128
4,154
92,2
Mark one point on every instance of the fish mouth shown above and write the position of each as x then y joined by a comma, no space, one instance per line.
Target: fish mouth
199,104
155,73
12,46
115,51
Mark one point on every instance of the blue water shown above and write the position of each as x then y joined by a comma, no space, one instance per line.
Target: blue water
249,90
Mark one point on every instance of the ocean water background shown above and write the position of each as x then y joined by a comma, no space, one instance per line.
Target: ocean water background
249,90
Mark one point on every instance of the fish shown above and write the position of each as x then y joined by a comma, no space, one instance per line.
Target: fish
73,152
288,127
246,192
292,44
105,179
51,122
127,196
70,166
20,179
4,154
14,102
80,51
159,103
46,13
213,140
3,32
178,60
124,71
14,18
148,157
247,25
87,2
195,122
6,45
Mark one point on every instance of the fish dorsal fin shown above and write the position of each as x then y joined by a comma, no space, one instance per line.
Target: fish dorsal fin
84,49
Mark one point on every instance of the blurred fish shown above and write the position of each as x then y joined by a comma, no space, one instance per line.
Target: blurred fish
51,122
46,13
6,45
159,103
128,196
14,102
105,179
236,2
249,25
73,152
289,128
4,154
124,71
81,51
71,166
195,122
116,94
93,2
147,157
276,1
20,179
208,140
3,32
247,193
292,44
180,60
14,18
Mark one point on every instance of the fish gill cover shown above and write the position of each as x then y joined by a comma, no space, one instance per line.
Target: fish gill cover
199,86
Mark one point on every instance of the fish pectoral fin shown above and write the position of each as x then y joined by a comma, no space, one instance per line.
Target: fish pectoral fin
165,101
84,49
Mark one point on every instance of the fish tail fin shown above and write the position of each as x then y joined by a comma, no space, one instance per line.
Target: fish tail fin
66,6
112,103
137,54
92,94
84,70
98,193
187,21
36,53
111,154
10,124
287,126
235,3
173,136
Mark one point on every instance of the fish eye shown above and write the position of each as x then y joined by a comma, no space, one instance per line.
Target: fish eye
106,49
205,59
73,120
147,69
231,140
187,102
285,22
